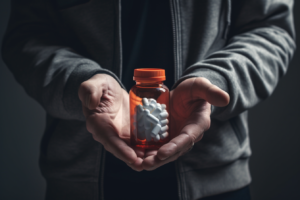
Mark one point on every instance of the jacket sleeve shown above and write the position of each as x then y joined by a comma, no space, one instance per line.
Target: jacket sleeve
257,54
49,70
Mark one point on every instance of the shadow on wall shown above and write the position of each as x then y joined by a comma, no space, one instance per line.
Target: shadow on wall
22,123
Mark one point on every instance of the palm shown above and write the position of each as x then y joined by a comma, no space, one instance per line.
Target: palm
190,117
184,107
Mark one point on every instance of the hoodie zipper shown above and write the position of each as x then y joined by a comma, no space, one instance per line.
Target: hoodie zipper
228,19
174,5
177,71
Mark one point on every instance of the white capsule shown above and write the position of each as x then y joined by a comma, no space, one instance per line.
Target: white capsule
152,101
147,124
164,135
163,106
156,129
139,115
163,115
164,129
152,107
140,118
164,122
156,138
157,111
145,102
151,119
139,108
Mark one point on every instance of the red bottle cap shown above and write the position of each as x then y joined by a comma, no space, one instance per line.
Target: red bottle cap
149,74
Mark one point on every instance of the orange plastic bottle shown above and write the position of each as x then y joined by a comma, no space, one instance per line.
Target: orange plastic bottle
149,109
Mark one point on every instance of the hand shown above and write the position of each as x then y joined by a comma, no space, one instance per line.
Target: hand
190,105
106,106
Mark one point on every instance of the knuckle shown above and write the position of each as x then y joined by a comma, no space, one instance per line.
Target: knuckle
202,80
190,138
88,88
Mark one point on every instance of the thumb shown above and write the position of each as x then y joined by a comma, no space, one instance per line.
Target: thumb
202,88
89,94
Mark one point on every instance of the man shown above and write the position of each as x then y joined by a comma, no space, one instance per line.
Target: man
68,56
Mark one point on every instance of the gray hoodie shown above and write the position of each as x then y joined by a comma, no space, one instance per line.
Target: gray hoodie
241,46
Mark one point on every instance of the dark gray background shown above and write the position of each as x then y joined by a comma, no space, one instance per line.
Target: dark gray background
274,129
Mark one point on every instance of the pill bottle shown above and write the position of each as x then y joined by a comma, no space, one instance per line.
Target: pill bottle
149,109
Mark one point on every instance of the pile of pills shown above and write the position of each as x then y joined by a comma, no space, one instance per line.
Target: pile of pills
151,121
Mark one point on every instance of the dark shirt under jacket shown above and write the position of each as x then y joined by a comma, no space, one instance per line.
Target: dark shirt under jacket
147,42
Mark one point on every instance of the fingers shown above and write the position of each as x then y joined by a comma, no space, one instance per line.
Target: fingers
103,131
173,149
192,132
153,162
90,93
137,165
139,152
202,88
120,149
181,143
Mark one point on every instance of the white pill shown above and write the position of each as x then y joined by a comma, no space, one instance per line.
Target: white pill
156,129
156,138
146,105
151,119
164,122
157,111
158,105
164,135
139,116
163,106
163,115
148,125
145,113
152,101
145,102
164,129
152,107
139,108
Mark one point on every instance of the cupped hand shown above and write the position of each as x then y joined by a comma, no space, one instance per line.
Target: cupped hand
190,105
106,106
